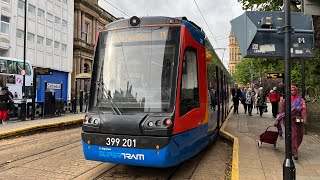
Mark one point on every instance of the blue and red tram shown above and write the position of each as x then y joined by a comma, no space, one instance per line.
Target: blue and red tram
149,100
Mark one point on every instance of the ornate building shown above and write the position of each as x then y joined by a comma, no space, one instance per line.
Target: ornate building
89,17
234,54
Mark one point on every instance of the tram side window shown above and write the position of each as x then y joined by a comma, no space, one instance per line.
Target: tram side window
189,98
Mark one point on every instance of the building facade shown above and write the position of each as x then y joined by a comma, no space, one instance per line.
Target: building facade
89,17
49,39
234,54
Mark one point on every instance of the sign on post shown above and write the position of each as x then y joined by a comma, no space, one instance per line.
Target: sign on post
260,34
275,75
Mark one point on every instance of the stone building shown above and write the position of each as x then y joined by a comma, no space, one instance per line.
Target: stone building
89,17
234,54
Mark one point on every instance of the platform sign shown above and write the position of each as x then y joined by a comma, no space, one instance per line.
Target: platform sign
43,71
261,34
275,75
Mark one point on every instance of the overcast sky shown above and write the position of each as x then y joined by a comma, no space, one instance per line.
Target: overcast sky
217,14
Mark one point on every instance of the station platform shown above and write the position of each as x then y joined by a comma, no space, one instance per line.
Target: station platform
18,127
266,162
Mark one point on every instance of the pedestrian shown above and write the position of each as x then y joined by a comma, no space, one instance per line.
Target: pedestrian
261,98
249,101
236,99
5,101
213,99
243,99
298,119
274,98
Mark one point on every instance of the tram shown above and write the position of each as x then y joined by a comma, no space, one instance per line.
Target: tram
149,99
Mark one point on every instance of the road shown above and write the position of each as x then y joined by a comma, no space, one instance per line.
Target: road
58,155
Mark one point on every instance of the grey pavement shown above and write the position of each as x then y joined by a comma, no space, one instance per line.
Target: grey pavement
266,162
15,127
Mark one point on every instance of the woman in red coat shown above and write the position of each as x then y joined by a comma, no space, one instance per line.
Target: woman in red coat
274,98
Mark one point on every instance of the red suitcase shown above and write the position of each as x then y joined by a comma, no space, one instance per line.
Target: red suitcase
269,137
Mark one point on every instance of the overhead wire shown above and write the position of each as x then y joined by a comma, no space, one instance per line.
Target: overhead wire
116,8
206,22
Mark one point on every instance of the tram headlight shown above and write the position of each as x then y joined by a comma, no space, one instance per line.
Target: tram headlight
96,121
150,123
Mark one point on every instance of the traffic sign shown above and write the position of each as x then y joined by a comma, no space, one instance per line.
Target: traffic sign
23,72
43,71
275,75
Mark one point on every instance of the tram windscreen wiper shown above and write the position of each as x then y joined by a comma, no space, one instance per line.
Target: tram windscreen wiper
107,95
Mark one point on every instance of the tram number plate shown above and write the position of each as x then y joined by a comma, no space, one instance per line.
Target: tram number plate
121,142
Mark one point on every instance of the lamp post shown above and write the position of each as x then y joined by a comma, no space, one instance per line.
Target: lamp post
289,170
23,100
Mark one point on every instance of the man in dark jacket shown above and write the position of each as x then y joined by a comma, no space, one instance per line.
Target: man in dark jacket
4,100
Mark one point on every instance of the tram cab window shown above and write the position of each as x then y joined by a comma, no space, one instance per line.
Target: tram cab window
12,67
189,96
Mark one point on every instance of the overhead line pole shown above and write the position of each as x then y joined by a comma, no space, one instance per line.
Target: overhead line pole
23,101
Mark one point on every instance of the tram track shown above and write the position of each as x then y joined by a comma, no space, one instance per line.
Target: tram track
43,154
26,140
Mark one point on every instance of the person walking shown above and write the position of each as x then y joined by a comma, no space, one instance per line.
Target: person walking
243,99
249,101
236,99
261,98
5,100
274,98
298,119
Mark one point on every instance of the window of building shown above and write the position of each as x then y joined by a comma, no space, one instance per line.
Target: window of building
64,23
86,68
6,1
30,37
57,20
64,48
189,97
5,24
20,34
31,9
21,4
85,32
49,42
40,40
65,1
56,44
49,17
41,13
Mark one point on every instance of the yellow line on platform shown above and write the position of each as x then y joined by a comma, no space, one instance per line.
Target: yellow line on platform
235,152
38,127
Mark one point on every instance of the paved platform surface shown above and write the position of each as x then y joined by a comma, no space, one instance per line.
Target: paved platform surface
15,127
266,162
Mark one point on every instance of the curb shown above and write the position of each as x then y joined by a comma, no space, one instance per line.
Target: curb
235,151
39,127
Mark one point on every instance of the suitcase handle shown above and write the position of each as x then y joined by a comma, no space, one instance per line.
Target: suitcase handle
271,126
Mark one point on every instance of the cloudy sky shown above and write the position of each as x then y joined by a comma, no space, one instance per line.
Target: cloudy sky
217,14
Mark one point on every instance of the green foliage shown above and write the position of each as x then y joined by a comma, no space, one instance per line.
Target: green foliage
265,5
242,74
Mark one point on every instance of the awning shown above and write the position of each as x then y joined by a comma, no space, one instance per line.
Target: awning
83,76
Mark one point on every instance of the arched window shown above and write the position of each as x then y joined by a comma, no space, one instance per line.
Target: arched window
86,68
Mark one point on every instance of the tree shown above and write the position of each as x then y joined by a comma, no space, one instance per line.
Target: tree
266,5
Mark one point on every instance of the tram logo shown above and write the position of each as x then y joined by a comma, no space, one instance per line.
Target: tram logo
139,157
